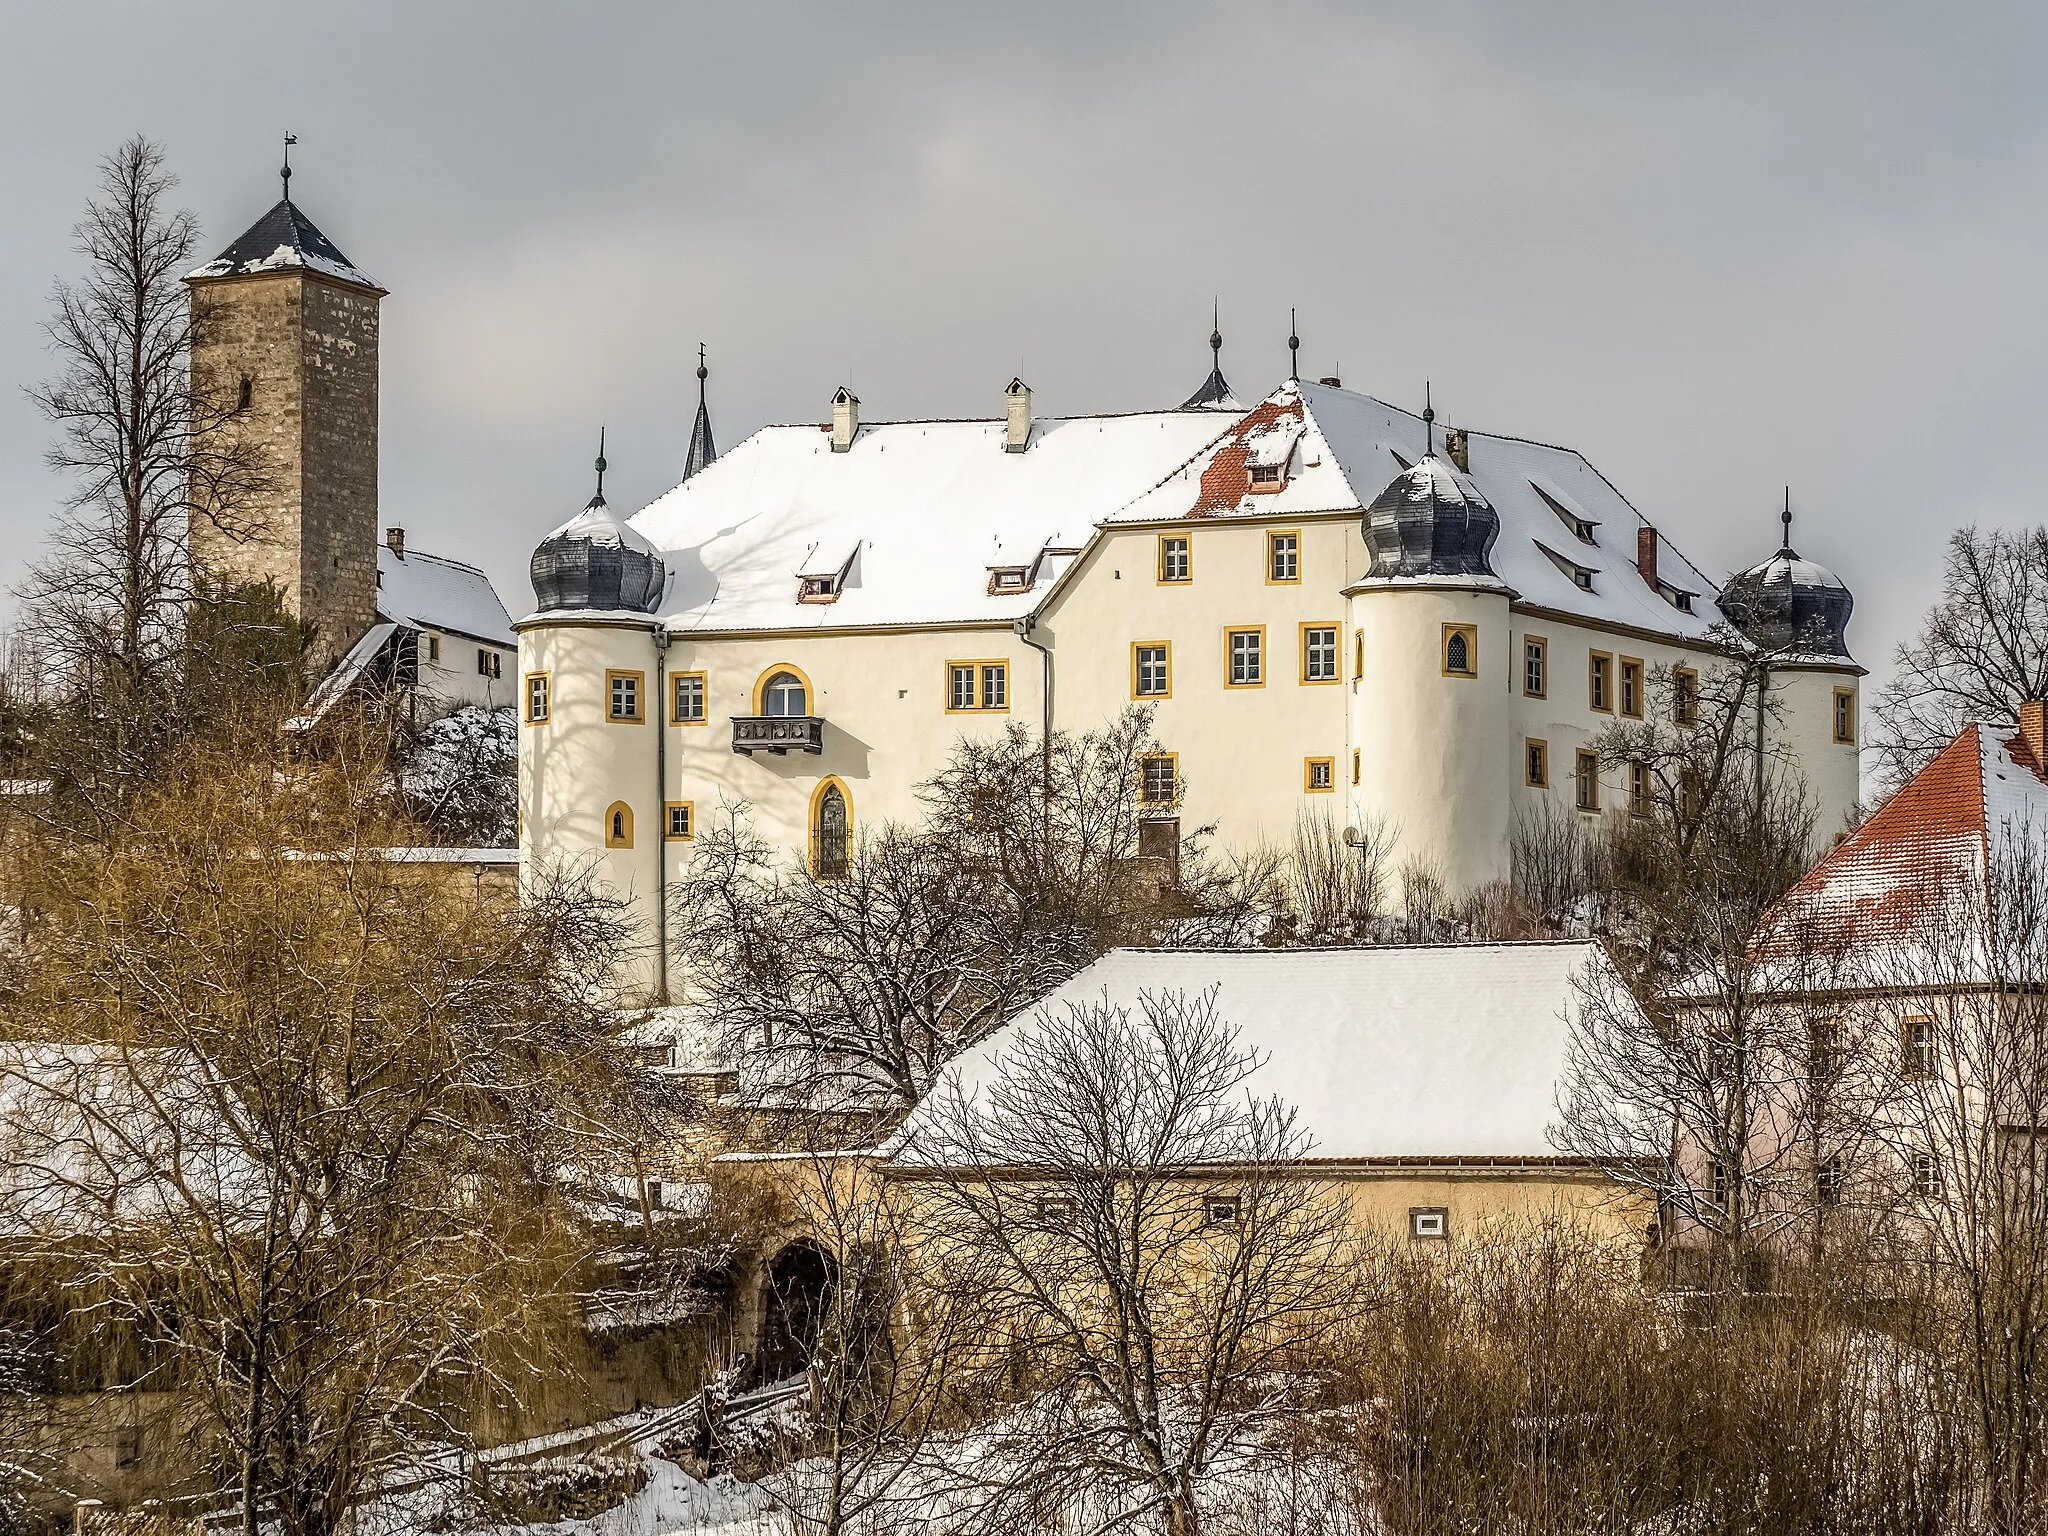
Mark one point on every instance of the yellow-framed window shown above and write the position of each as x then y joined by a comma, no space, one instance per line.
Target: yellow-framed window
1159,778
1685,696
679,821
1631,687
539,700
1318,775
618,825
977,687
1535,667
1151,669
1176,560
1638,789
1244,656
1600,682
1321,661
689,699
1845,717
624,701
1586,780
1283,556
1536,763
1461,650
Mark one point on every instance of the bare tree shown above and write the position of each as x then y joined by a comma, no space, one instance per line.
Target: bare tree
1981,652
1150,1256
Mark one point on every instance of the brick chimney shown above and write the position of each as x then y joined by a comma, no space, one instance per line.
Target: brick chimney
1458,448
1646,554
845,418
394,539
2034,732
1017,417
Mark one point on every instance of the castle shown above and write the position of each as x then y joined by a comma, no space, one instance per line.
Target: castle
1330,605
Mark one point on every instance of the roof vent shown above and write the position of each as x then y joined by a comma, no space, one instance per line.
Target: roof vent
1017,417
394,540
845,418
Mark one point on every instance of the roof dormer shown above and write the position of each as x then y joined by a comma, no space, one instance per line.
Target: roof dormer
822,583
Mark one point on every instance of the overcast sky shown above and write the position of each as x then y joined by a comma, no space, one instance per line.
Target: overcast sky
1718,249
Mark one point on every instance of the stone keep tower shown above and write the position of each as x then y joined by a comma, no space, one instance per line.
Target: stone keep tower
284,325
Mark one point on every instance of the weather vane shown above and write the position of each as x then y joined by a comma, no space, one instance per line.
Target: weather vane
289,140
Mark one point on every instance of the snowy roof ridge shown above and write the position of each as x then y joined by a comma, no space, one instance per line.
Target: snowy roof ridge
428,591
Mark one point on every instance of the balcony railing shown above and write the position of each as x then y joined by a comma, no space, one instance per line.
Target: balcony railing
777,734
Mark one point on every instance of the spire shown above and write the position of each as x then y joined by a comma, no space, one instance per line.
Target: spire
1214,395
1428,423
289,140
702,449
1293,347
598,499
1786,518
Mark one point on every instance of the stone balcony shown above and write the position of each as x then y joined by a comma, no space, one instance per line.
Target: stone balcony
778,734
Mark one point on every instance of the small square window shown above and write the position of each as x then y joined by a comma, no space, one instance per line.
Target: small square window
1600,682
1151,671
682,821
1535,660
1845,717
1536,764
623,691
1631,688
1220,1211
1429,1222
687,703
536,697
1247,657
1319,774
1319,653
1174,563
1283,557
1461,650
1586,774
1158,778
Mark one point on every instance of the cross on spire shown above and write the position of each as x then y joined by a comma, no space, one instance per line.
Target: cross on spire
289,140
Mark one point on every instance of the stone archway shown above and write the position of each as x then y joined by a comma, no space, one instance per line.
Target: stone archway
795,1298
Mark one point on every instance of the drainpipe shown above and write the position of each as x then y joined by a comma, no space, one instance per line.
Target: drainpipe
660,703
1763,686
1025,627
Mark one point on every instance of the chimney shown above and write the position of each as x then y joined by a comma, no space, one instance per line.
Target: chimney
2034,731
1017,423
394,538
1646,554
1332,380
1458,448
845,419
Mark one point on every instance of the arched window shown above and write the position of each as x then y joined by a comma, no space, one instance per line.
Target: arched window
618,825
782,696
1458,654
1461,641
830,832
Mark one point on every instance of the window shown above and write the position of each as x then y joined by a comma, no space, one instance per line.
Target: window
618,825
1845,716
1151,670
1175,565
1008,578
784,697
1318,775
1461,650
1926,1176
1354,765
1824,1046
686,698
653,1187
1535,661
1247,652
1266,475
1536,764
433,647
536,697
1158,778
1220,1210
623,690
128,1437
1639,789
1319,653
489,663
1717,1179
1283,557
818,589
831,831
1685,696
1429,1222
1600,681
1828,1182
1358,653
247,393
1631,687
1057,1209
682,821
1916,1047
977,685
1586,773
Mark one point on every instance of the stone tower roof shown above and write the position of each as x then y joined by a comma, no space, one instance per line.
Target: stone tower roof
283,239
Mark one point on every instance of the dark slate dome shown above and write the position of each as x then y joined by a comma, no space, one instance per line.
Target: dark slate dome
1430,521
1790,606
596,561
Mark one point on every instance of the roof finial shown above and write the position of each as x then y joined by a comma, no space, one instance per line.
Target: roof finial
1786,518
1293,347
703,373
600,465
1216,332
1428,423
289,140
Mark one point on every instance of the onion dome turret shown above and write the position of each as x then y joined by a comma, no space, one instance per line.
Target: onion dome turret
1431,521
1789,606
595,561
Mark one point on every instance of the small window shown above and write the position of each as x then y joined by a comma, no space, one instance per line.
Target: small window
653,1187
247,393
1685,696
1582,578
433,647
1586,776
1246,649
1631,688
1461,650
977,685
784,697
536,697
1151,672
1318,775
1916,1047
1845,716
128,1437
1009,578
1829,1180
831,835
682,821
1266,474
1926,1176
489,663
623,691
1220,1210
995,685
1824,1045
1600,681
618,825
1158,778
1535,663
817,589
1056,1209
1354,765
1639,789
686,699
1717,1182
1174,563
1319,653
1283,557
1358,653
1536,764
1429,1222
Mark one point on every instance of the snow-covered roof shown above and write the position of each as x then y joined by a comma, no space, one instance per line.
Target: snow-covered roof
282,240
1424,1051
425,591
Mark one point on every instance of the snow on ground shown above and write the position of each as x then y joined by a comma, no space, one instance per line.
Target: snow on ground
672,1502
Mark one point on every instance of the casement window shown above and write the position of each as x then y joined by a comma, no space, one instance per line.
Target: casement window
1151,670
1685,696
1158,778
1008,578
536,697
1536,763
1220,1210
1319,653
977,686
1824,1047
618,825
1916,1047
1600,681
1246,650
681,817
1460,650
1429,1223
687,704
1717,1182
1829,1180
1586,776
1535,667
1266,475
784,696
1845,716
1926,1176
1358,653
1056,1209
433,647
1283,556
1631,687
622,691
1354,765
1176,564
489,663
1639,789
1318,775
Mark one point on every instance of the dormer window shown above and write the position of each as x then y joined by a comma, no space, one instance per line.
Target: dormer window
1582,578
817,589
823,583
1266,477
1582,527
1009,578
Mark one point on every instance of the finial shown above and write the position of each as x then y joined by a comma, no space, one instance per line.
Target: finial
600,465
702,372
289,140
1786,518
1293,347
1216,330
1428,422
